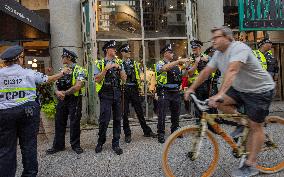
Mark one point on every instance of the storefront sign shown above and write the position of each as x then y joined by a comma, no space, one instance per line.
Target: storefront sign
15,9
261,15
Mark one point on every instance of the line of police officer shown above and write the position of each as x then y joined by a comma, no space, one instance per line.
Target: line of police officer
118,84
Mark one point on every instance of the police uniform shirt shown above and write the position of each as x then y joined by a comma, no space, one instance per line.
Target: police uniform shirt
65,82
80,75
18,85
97,70
159,66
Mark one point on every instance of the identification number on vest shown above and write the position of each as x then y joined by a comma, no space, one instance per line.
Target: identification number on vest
11,81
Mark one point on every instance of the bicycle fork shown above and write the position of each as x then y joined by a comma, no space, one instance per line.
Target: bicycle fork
197,142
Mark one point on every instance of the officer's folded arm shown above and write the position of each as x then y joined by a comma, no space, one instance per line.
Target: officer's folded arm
78,85
100,76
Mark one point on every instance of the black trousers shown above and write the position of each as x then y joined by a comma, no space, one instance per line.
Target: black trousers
108,102
131,95
70,107
19,122
202,93
168,100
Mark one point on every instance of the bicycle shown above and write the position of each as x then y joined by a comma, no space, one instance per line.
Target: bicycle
197,139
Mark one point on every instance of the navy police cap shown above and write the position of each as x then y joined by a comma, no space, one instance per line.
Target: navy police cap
12,53
125,48
109,44
195,43
264,41
68,53
168,47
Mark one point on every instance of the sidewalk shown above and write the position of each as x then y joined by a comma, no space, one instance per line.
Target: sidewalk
141,158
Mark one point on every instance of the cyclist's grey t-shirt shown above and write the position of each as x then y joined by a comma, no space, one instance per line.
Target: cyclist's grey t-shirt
251,77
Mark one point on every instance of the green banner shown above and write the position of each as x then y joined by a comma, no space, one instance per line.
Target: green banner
261,15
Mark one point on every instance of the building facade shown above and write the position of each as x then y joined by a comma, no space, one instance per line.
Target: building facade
147,25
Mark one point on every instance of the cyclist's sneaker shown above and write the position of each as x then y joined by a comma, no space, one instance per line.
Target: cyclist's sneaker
237,132
245,171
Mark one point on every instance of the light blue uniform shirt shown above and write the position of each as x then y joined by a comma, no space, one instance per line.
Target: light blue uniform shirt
18,85
159,66
97,70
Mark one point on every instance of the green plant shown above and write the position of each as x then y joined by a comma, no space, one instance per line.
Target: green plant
47,100
49,109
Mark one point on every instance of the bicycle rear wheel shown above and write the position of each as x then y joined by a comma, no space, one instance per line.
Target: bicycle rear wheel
271,160
177,154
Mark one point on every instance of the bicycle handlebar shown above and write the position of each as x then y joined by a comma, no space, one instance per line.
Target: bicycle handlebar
202,105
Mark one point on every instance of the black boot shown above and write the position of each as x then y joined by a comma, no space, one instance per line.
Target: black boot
99,148
53,151
117,150
78,150
161,138
150,134
127,138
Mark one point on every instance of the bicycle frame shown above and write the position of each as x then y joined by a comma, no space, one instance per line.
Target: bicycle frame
238,148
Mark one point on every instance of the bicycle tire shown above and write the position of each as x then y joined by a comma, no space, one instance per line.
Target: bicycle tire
273,123
190,130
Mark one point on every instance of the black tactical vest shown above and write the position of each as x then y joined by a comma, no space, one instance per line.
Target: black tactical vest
65,82
174,76
130,72
112,78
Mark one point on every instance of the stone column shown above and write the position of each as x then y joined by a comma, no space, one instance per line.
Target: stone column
65,29
210,14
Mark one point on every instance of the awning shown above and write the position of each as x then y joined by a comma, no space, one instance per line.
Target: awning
20,23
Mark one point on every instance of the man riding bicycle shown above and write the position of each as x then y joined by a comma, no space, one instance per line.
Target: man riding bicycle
245,84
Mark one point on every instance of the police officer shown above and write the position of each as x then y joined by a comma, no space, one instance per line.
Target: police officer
69,90
216,75
264,55
131,94
109,73
201,60
19,113
168,76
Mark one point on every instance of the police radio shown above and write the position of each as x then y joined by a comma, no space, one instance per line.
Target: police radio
65,82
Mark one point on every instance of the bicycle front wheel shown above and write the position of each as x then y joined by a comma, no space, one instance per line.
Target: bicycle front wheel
271,159
177,157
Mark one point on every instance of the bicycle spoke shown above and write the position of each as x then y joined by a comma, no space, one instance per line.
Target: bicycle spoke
181,162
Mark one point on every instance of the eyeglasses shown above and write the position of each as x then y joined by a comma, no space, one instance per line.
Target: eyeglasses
215,37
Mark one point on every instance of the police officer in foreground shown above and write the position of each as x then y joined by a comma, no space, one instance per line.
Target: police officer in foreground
264,55
109,73
69,94
19,113
131,94
168,76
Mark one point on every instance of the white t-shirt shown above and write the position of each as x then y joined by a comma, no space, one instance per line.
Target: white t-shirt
251,77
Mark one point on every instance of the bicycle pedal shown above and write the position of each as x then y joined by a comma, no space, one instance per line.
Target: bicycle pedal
270,144
236,139
190,155
236,154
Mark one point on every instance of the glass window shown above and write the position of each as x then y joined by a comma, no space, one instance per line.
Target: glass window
160,18
118,19
164,23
